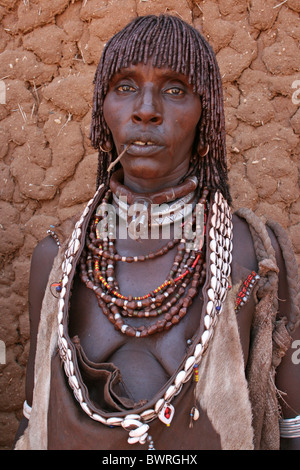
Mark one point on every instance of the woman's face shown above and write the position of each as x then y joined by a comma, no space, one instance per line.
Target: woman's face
155,111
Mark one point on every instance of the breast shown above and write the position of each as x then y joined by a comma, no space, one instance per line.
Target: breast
146,364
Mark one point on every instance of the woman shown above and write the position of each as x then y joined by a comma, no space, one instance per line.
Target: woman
165,343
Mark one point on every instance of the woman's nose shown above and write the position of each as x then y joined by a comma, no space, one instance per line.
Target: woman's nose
147,109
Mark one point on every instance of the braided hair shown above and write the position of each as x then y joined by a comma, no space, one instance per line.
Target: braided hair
172,43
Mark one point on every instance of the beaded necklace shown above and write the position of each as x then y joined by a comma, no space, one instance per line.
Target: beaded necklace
219,246
169,300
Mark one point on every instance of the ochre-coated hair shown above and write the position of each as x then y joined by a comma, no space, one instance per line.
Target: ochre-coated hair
168,42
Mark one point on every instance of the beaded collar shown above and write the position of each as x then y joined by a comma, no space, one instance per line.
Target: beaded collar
218,256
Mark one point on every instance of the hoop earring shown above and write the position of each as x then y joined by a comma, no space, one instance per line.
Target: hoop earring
207,150
104,151
106,148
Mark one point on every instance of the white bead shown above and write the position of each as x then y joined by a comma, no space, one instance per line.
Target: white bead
196,414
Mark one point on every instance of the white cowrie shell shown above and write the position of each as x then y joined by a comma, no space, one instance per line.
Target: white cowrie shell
98,418
207,321
213,245
86,408
130,423
78,395
138,432
215,208
133,440
61,304
205,337
220,251
190,362
211,294
60,330
132,416
180,378
68,268
148,414
143,438
114,421
170,392
212,233
64,343
209,307
60,316
159,404
213,269
198,351
213,282
73,381
76,246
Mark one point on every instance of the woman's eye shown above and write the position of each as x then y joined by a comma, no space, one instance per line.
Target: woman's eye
125,88
175,91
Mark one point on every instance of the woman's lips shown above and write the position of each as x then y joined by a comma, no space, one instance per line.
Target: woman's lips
143,148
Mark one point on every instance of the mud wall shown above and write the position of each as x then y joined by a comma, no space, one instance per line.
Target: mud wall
48,54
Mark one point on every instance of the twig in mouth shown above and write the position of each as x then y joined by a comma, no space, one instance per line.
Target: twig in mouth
118,158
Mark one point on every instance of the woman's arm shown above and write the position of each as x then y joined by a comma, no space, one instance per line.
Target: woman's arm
41,264
288,372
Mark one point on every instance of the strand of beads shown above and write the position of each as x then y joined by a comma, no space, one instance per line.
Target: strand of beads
170,299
